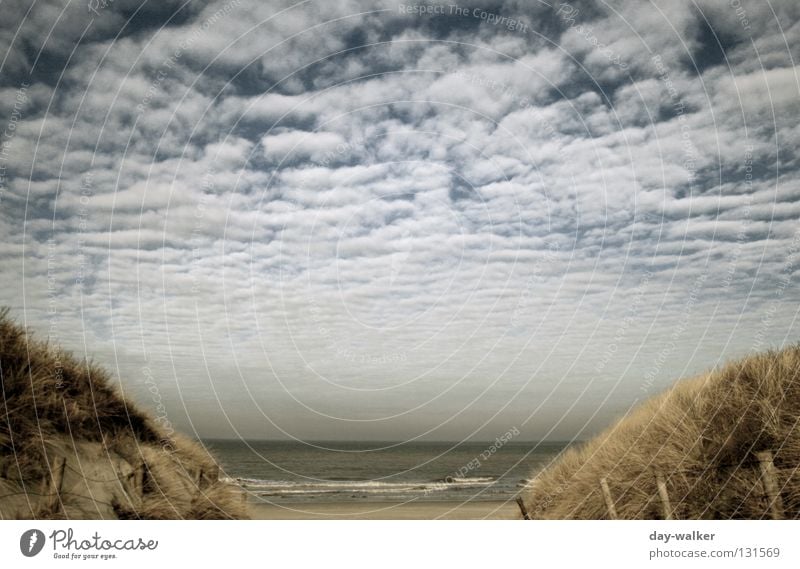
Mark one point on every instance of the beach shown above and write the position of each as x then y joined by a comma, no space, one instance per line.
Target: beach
368,480
475,510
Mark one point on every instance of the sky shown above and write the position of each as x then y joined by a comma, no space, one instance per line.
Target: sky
384,221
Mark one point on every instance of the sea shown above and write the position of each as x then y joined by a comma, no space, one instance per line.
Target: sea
303,472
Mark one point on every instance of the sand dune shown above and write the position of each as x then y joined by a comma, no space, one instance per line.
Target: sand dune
709,440
72,447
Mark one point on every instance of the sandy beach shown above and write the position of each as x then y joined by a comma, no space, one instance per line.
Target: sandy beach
388,511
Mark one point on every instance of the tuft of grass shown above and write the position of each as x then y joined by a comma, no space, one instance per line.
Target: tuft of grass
702,435
54,406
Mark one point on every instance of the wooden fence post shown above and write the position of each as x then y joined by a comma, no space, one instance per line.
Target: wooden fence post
612,511
53,492
770,482
138,480
522,508
208,477
662,492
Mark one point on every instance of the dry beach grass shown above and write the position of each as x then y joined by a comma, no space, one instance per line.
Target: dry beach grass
703,436
71,446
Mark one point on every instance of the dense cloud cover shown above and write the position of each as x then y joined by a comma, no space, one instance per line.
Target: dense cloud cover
376,220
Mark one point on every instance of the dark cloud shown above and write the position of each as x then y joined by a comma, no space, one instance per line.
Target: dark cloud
39,37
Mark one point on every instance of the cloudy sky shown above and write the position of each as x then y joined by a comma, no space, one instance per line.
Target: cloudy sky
372,220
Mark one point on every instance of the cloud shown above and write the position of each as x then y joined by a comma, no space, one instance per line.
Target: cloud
320,218
296,144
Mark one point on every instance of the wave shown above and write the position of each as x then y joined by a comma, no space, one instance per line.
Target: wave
295,487
470,480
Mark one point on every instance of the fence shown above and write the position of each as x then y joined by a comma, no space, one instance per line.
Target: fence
769,489
48,499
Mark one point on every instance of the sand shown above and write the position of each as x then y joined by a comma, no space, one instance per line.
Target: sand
387,511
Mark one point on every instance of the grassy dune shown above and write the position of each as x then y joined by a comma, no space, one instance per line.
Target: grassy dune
703,435
63,424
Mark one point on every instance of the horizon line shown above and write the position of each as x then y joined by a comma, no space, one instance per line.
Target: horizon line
228,439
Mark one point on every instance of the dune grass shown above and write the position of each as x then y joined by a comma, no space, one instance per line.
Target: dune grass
55,407
702,435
